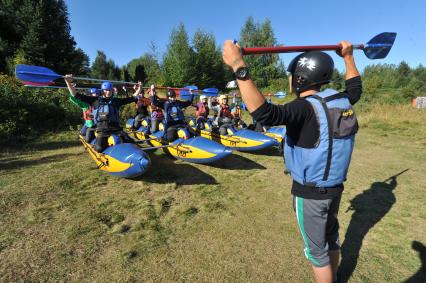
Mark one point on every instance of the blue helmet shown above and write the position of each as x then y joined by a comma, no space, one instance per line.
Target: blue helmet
106,85
93,91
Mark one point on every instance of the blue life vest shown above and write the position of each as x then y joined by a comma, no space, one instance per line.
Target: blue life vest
106,112
325,165
174,112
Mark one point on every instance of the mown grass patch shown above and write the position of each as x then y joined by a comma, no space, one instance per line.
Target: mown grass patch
64,220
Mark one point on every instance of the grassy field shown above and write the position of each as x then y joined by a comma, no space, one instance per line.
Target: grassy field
63,220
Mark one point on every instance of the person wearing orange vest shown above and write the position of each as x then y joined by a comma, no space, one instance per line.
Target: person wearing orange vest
202,112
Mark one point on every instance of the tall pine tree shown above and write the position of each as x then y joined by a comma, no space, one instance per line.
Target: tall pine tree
38,32
210,69
268,68
178,63
104,68
145,69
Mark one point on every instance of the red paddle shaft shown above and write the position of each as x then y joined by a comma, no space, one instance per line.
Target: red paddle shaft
288,49
166,87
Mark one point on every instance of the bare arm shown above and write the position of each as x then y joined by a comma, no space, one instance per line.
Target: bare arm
249,92
347,54
138,89
68,80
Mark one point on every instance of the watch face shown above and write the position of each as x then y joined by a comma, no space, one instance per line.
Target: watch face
241,73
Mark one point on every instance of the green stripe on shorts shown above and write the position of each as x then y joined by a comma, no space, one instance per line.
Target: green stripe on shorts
300,222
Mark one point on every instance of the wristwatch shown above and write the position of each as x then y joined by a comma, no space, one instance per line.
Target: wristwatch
242,73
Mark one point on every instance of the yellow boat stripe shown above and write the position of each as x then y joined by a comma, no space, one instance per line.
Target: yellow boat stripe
274,136
231,141
106,162
179,151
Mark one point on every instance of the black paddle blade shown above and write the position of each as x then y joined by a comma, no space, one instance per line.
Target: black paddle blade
380,45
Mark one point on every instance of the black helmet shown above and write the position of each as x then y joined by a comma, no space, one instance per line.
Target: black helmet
308,69
171,93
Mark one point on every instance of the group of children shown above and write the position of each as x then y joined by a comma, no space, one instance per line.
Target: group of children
101,112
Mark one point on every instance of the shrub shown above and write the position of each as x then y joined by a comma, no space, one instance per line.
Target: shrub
26,113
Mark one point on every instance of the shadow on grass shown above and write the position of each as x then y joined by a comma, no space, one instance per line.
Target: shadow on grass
16,163
51,145
420,275
165,170
236,162
369,208
39,146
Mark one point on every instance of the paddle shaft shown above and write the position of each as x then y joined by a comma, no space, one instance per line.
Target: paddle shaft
175,88
52,86
54,76
99,80
288,49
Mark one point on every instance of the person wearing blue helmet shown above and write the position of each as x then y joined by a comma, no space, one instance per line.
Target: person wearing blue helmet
106,109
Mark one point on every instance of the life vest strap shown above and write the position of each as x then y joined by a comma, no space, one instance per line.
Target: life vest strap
335,96
330,134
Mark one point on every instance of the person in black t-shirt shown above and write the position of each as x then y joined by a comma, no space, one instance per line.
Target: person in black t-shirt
306,117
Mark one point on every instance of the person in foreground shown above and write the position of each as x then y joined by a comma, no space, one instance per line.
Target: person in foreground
321,128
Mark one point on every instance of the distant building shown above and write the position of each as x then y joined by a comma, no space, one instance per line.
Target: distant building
419,102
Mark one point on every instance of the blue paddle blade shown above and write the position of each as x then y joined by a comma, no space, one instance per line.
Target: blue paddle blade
35,74
184,93
212,91
380,45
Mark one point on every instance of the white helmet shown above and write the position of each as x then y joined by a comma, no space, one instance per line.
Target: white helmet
222,97
203,97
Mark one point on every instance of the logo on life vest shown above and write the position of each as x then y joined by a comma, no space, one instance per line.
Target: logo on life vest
347,113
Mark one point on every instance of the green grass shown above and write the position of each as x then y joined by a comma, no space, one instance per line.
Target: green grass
63,220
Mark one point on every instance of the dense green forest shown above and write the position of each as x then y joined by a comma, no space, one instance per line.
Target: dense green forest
38,33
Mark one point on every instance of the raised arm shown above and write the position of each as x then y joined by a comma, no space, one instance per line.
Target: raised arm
186,103
353,79
154,98
347,54
68,80
138,89
249,92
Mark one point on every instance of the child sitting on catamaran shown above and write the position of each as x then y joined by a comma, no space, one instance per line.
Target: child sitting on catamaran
224,119
202,112
142,108
173,110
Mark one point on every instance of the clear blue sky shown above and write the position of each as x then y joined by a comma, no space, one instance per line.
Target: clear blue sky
123,29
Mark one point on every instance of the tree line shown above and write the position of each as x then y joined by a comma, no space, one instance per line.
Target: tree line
196,60
37,32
